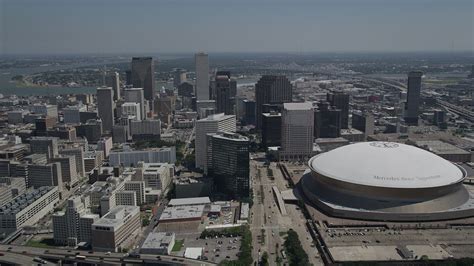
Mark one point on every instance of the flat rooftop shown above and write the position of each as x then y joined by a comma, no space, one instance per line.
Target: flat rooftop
116,217
216,117
182,212
22,201
440,147
298,106
158,240
189,201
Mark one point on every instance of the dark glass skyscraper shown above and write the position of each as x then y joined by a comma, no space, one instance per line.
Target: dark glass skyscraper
271,129
224,98
412,105
228,163
327,122
105,107
271,89
143,75
340,101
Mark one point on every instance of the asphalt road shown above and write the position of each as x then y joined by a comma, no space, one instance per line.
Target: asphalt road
266,215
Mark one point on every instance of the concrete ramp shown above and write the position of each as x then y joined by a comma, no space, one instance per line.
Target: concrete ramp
280,203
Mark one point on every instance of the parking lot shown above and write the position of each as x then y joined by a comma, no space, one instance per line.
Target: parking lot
384,236
215,249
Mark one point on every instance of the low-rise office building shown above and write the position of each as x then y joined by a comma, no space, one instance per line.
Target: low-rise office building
116,228
158,243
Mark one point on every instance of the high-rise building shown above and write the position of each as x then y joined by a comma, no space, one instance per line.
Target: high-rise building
202,76
91,130
224,98
120,134
271,129
327,121
412,105
145,129
211,124
297,121
271,89
44,175
205,108
179,76
228,163
363,122
66,224
128,109
139,188
42,124
105,144
72,114
44,145
249,112
340,100
156,155
68,169
157,175
113,80
128,77
135,95
105,107
78,154
186,89
164,107
143,75
439,119
88,115
45,109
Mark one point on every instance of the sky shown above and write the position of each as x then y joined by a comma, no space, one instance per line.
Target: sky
183,26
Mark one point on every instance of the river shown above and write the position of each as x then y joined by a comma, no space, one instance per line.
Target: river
7,87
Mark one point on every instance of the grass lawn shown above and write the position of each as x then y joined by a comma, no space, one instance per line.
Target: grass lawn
44,243
178,244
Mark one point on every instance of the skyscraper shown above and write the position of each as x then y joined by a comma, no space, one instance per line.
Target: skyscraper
249,112
340,101
228,163
44,145
113,80
202,76
131,109
210,124
412,105
105,107
271,129
224,98
136,95
143,75
327,121
297,121
271,89
363,122
179,76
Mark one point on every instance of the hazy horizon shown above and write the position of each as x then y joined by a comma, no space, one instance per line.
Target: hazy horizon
55,27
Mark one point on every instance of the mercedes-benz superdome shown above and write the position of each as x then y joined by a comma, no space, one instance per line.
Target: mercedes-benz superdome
387,181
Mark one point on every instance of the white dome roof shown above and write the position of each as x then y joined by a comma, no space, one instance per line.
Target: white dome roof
386,164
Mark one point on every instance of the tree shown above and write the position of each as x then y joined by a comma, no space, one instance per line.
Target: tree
145,221
264,261
294,249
